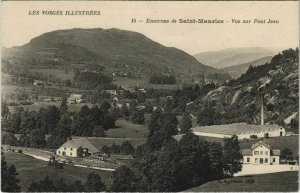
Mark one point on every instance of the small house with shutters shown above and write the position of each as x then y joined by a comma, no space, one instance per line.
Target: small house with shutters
70,148
261,153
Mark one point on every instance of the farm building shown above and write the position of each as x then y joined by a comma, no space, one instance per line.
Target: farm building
75,98
70,148
260,153
242,130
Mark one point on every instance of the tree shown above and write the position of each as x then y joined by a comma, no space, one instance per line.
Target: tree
9,181
63,105
80,152
286,154
98,131
127,148
105,149
4,109
94,183
186,123
37,138
28,121
137,117
9,139
124,180
154,124
115,149
45,185
232,155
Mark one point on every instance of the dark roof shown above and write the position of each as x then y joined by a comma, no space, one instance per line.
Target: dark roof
235,128
81,142
255,145
246,151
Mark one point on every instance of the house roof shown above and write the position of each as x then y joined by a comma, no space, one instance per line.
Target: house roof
80,142
255,145
246,151
75,96
274,152
236,128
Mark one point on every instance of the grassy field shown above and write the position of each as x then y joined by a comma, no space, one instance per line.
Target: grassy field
276,182
126,129
30,169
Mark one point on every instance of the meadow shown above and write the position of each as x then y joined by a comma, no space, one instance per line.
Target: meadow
30,169
275,182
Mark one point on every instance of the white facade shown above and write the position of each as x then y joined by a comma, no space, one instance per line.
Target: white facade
261,154
67,151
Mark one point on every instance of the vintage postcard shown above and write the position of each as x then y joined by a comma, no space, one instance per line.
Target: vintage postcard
120,96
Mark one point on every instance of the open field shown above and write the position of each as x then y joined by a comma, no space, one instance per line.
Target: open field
30,169
126,129
275,182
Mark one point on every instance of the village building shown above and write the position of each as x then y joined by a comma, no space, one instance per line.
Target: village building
70,148
112,92
261,153
38,83
75,98
241,130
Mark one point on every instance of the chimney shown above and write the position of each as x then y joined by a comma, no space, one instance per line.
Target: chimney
262,121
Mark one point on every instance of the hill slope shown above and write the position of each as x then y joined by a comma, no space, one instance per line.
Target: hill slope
238,70
109,48
240,100
232,56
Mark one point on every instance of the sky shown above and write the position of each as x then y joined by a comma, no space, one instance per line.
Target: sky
18,27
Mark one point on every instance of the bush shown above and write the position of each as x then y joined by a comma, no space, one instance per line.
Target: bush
20,151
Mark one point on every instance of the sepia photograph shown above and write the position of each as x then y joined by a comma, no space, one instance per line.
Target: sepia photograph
120,96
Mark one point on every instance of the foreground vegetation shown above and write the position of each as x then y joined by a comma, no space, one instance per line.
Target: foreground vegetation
31,169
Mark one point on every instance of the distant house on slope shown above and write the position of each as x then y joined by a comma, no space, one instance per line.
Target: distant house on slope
242,130
261,153
75,98
70,148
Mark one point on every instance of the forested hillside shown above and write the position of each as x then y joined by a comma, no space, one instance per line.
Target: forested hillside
275,84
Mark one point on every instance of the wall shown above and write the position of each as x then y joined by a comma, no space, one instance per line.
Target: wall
274,133
71,152
211,134
249,169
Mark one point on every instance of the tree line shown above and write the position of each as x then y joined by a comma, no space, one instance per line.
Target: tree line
165,164
56,122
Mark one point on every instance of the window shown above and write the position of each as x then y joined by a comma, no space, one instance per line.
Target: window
261,152
248,159
70,154
256,160
58,152
267,152
266,160
71,149
256,152
274,159
65,148
261,160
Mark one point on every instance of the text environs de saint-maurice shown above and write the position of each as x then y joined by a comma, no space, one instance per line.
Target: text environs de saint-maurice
66,12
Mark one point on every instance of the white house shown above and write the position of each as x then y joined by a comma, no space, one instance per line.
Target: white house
261,153
70,148
242,130
75,98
